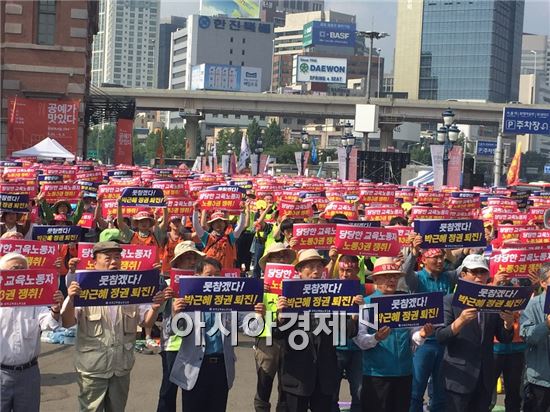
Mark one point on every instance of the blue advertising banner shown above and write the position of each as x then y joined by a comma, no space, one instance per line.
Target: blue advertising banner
486,148
14,203
142,196
116,287
450,233
407,310
324,295
320,33
58,234
491,298
526,121
217,294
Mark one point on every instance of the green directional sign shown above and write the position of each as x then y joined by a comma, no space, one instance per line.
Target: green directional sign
91,154
307,34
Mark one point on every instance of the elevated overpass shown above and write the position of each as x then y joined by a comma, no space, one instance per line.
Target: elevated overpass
391,111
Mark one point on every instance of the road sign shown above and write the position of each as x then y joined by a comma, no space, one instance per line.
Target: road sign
486,148
526,121
91,154
547,169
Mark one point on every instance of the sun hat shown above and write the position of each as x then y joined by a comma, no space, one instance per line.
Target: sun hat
109,235
217,216
473,262
61,202
105,246
275,248
187,246
308,255
143,215
385,266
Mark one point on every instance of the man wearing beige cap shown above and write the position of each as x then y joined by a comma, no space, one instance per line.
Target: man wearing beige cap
105,339
308,376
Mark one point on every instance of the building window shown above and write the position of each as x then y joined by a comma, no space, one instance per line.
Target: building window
244,41
46,22
230,51
231,39
242,52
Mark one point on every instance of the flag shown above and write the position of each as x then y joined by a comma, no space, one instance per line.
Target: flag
245,154
513,171
314,156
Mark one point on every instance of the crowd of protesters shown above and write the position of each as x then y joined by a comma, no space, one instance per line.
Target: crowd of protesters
454,366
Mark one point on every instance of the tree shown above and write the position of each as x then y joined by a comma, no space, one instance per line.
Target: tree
174,144
139,151
222,142
273,136
236,137
253,133
102,139
421,154
284,153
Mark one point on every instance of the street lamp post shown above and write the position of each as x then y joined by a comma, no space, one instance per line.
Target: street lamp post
371,35
305,148
348,141
201,155
378,83
259,149
230,155
447,135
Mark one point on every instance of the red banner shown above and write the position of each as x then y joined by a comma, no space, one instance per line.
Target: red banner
14,173
109,207
171,189
341,208
506,232
366,241
231,273
503,203
123,141
175,278
274,275
220,200
180,206
30,121
403,234
435,198
18,188
536,213
134,257
86,220
461,203
39,254
109,191
426,212
534,236
383,214
518,262
517,218
377,195
53,192
314,236
29,287
295,210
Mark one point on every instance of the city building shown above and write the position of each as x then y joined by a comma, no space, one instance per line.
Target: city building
535,56
467,50
125,50
275,11
45,60
167,27
220,43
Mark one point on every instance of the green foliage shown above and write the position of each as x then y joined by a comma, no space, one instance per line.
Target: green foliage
273,136
236,137
140,153
103,141
421,154
253,132
284,153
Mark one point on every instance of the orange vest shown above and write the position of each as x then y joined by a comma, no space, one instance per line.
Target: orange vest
221,249
168,253
150,240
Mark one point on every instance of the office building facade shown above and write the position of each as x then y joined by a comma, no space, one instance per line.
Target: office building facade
125,50
468,50
167,27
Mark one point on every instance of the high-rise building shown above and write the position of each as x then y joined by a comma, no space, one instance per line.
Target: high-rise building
167,27
275,11
125,50
535,56
467,50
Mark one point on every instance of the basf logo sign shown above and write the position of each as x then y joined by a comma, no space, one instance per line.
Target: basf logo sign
321,33
319,69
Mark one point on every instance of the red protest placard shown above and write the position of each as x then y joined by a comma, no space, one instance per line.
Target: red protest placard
180,206
110,191
383,214
518,262
366,241
333,196
171,189
377,195
426,212
14,173
289,196
29,287
341,208
39,254
295,210
175,281
320,202
540,201
231,273
275,273
68,173
461,203
109,207
464,214
318,236
134,257
534,236
505,232
536,213
55,192
502,203
403,234
435,198
18,188
30,120
86,220
220,200
95,176
517,218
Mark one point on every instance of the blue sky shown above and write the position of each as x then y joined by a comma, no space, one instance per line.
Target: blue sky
380,15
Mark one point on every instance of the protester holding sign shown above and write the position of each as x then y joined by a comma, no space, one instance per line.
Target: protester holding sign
20,345
307,373
387,354
185,257
535,329
268,356
468,363
106,338
9,222
61,207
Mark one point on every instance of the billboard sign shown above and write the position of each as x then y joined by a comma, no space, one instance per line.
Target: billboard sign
227,78
322,33
320,69
486,148
526,121
236,9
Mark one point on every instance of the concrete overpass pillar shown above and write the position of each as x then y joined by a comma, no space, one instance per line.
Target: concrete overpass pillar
191,134
386,135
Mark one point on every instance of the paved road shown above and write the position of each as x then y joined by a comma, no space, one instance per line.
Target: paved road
59,388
